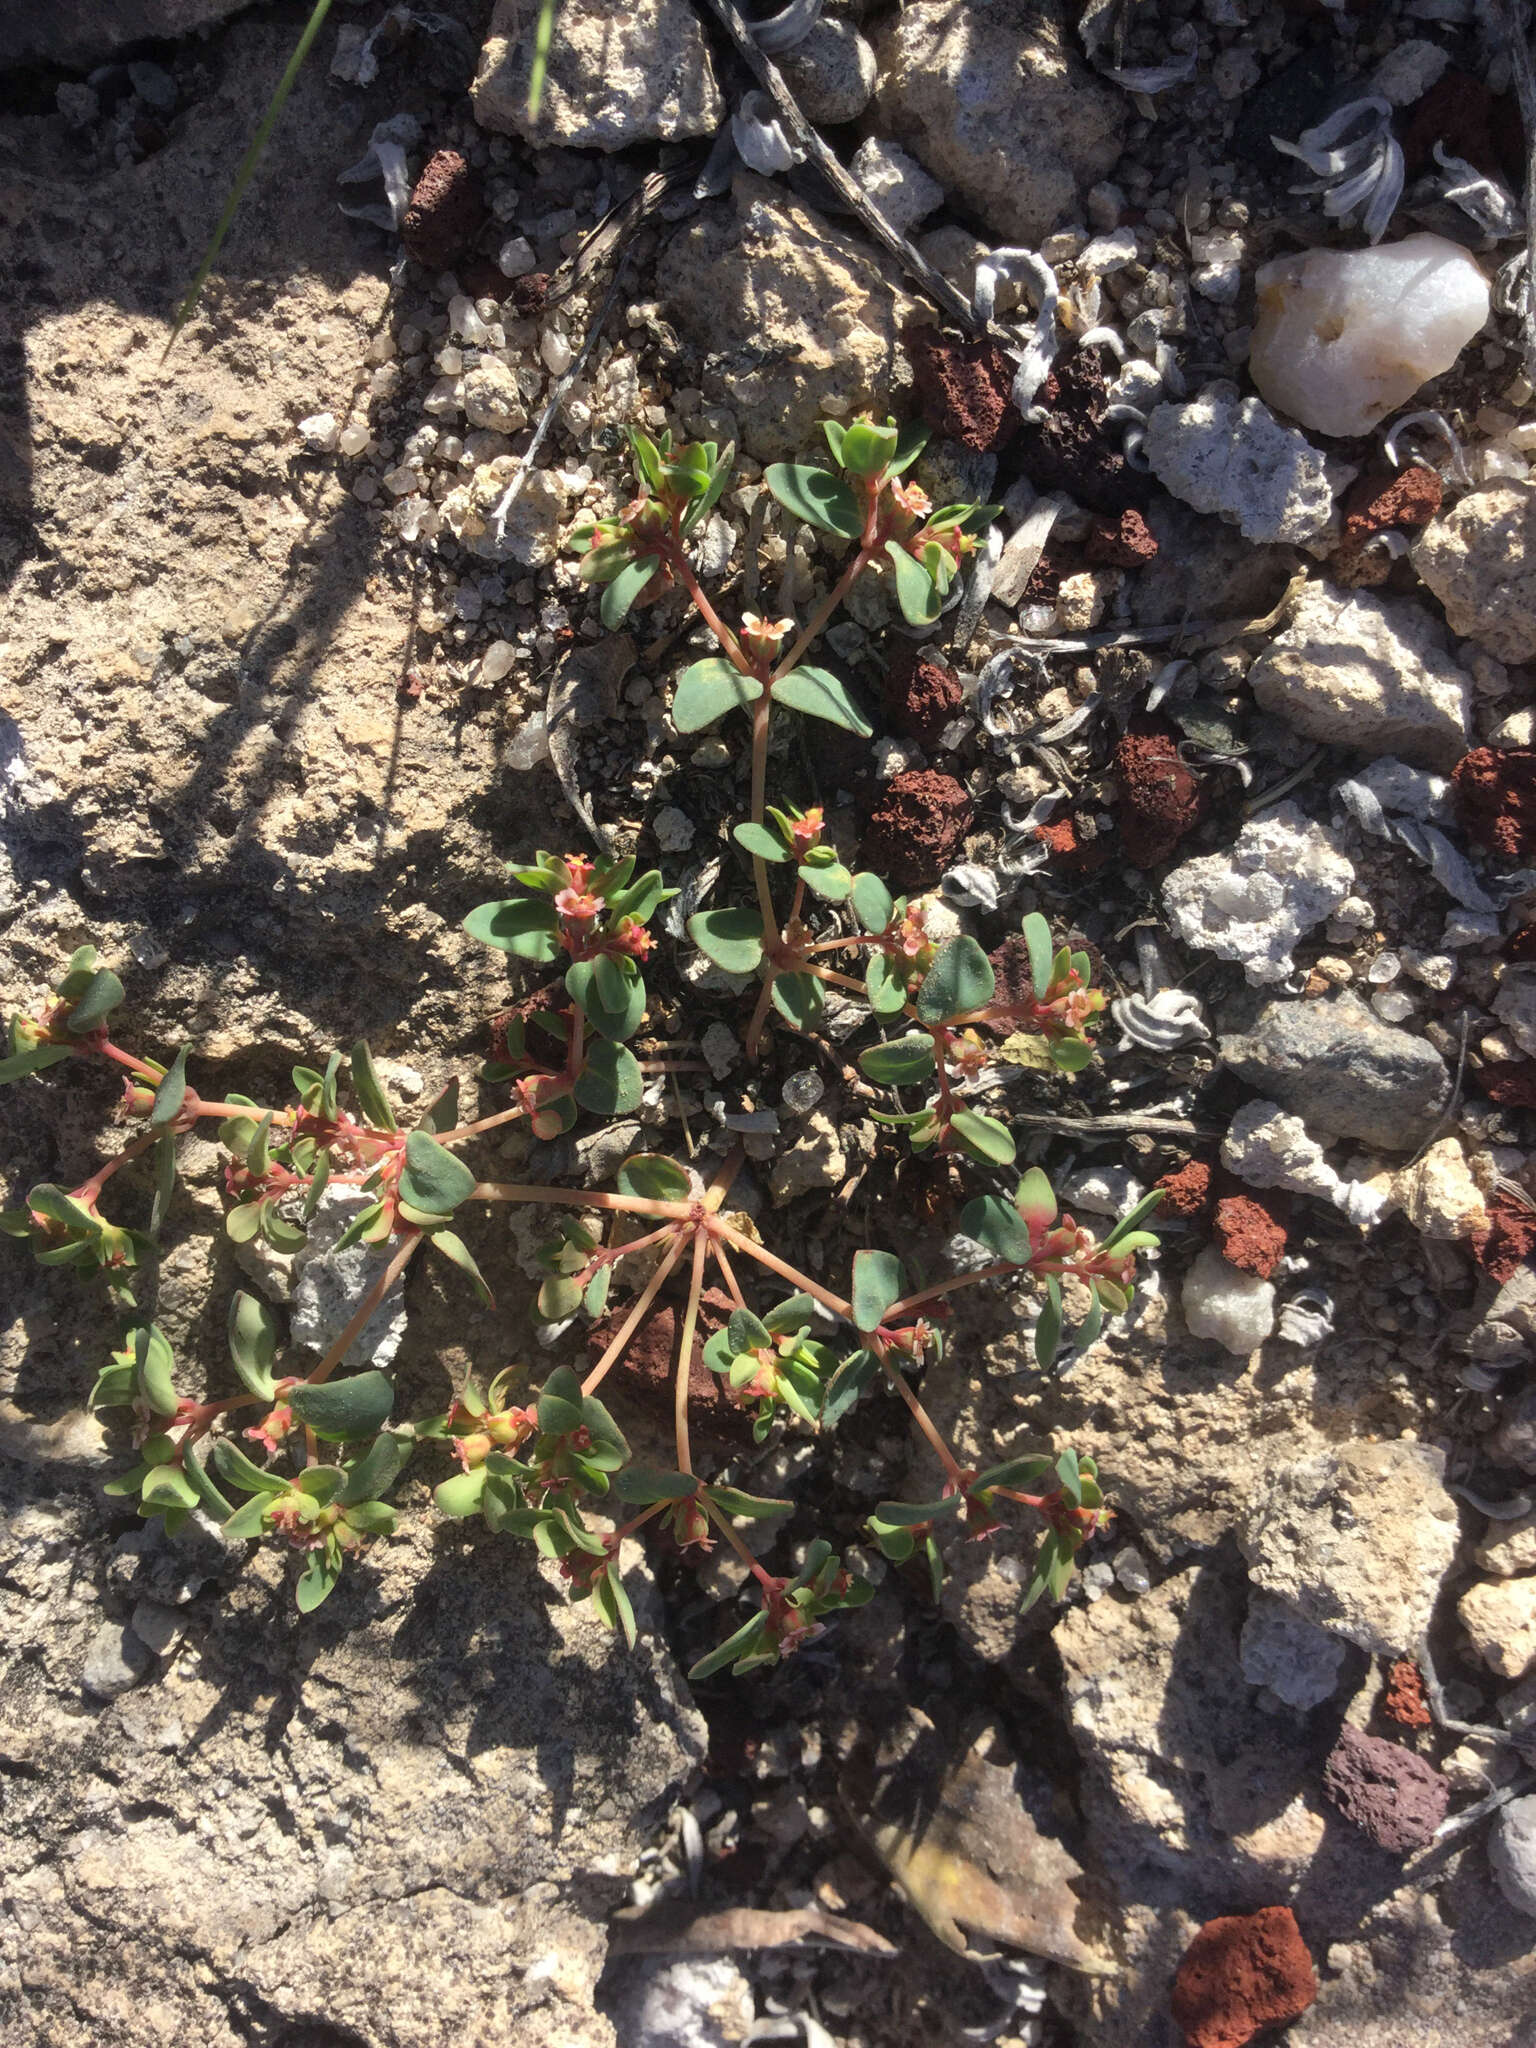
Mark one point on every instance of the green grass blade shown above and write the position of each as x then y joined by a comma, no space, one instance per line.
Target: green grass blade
543,37
247,169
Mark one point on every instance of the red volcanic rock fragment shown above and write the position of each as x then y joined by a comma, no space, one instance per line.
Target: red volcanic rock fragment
922,694
1510,1239
1389,1793
1510,1083
1376,503
1161,800
1404,1701
1071,447
1250,1233
1123,543
917,828
1240,1975
1073,843
445,214
1186,1192
1496,796
963,388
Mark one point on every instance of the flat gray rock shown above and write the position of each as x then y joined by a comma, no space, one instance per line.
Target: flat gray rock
1343,1071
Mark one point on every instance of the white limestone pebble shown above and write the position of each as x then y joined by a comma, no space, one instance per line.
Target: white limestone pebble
1237,1309
1227,454
1281,876
1345,336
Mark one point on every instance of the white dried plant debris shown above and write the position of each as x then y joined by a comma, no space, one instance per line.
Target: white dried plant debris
1156,78
1482,199
1253,901
1035,351
385,160
760,140
1159,1023
1357,163
1306,1319
791,25
1268,1149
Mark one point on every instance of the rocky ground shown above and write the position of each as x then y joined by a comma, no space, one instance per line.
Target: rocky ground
1235,701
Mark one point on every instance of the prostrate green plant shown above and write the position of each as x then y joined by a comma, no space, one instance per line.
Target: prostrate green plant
541,1462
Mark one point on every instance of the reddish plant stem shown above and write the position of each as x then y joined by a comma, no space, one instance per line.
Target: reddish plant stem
835,980
677,560
759,1017
88,1190
142,1068
725,1177
834,597
486,1123
912,1301
633,1320
684,1372
364,1311
578,1198
722,1523
919,1413
728,1274
797,1279
762,711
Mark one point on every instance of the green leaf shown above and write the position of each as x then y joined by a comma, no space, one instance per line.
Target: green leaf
361,1226
1131,1219
103,993
959,981
910,443
752,1507
829,880
317,1580
167,1486
254,1333
642,898
165,1182
1035,1200
819,694
800,998
625,588
240,1471
900,1062
885,987
1071,1054
371,1099
1069,1475
709,689
816,496
559,1406
35,1061
461,1495
643,1485
867,448
733,939
433,1179
878,1281
748,1639
249,1519
1088,1329
759,840
614,1002
852,1378
610,1084
171,1093
343,1411
612,1603
442,1112
594,1298
999,1226
1014,1472
920,600
983,1137
454,1249
871,900
1048,1328
208,1495
377,1470
651,1178
282,1235
908,1514
258,1158
316,1188
1037,938
524,925
746,1332
791,1314
371,1518
156,1364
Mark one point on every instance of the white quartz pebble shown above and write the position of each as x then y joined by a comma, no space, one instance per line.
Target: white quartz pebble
1345,336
